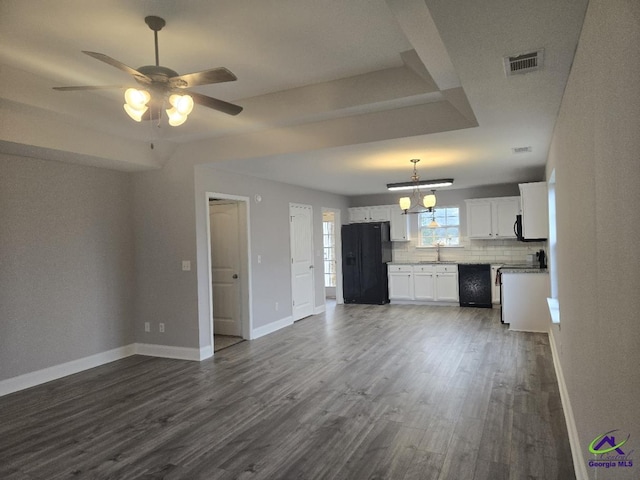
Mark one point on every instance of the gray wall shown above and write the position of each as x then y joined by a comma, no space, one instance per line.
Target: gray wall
66,263
597,164
170,213
269,237
164,237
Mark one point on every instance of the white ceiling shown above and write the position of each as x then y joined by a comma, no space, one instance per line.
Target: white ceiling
338,95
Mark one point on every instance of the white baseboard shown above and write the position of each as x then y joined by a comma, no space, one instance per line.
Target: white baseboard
48,374
38,377
271,327
320,309
167,351
206,352
576,451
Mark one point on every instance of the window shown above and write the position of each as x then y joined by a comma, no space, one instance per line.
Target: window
448,233
329,243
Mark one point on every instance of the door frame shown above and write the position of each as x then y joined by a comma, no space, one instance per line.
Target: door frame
244,234
337,220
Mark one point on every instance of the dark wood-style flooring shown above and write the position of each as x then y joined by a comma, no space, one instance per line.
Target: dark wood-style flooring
361,392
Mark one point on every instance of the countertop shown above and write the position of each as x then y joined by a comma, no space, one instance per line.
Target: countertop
527,269
516,268
445,262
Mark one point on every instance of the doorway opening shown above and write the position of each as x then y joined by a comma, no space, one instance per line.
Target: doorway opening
332,250
329,250
229,270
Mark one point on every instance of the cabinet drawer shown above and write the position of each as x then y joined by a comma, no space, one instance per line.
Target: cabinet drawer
447,268
423,268
400,268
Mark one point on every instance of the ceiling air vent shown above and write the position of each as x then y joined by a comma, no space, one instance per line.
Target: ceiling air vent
524,63
521,149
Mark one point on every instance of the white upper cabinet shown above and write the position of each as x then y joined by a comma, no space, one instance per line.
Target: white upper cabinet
359,215
479,219
380,213
383,213
535,210
492,218
399,225
505,217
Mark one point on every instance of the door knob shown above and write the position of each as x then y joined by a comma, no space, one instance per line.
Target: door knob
310,266
235,275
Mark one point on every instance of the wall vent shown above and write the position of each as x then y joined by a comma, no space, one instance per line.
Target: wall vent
523,63
521,149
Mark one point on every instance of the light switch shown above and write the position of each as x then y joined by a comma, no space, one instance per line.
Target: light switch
186,265
259,258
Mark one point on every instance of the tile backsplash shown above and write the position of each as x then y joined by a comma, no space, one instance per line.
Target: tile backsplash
481,251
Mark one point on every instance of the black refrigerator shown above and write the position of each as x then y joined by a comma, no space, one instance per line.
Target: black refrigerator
366,249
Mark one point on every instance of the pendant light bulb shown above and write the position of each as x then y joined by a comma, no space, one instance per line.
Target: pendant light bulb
405,203
429,201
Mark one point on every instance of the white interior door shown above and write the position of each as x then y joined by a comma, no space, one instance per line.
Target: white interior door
225,267
302,285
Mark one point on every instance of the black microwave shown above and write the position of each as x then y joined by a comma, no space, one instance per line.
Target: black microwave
517,229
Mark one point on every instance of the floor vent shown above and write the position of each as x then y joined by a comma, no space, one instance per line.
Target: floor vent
524,63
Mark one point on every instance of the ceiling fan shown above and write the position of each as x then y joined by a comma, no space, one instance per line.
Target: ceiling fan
161,85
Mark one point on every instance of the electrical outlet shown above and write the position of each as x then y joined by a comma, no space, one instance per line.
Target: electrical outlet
186,265
147,327
161,327
277,306
259,258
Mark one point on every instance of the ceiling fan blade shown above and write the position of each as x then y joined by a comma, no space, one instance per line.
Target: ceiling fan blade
220,105
88,87
215,75
141,77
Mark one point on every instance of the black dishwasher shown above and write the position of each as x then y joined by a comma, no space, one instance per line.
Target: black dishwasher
474,284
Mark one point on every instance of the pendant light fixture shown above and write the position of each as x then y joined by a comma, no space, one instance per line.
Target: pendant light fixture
417,200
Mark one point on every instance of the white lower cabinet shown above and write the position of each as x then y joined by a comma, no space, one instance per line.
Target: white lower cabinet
524,301
423,282
446,283
427,283
400,282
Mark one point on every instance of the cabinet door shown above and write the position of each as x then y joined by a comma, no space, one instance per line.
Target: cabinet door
505,212
535,210
479,220
400,286
358,214
446,287
380,214
423,284
399,225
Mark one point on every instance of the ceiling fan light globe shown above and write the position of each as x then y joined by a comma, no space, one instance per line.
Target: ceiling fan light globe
182,103
136,99
175,117
135,113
